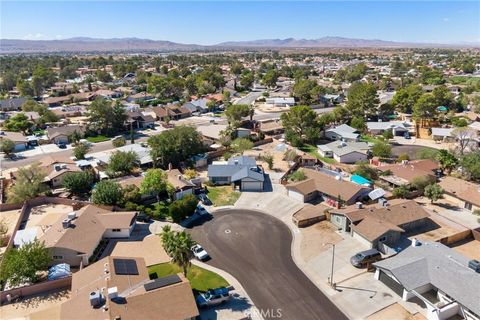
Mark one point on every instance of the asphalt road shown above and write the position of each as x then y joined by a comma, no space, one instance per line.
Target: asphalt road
256,249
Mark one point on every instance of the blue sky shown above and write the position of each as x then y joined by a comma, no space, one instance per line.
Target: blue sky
213,22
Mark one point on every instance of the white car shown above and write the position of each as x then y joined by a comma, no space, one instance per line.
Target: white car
199,252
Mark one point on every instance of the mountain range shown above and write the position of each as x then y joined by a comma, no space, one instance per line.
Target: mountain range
85,44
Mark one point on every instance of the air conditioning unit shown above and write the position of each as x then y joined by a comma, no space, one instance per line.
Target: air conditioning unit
96,299
66,223
72,215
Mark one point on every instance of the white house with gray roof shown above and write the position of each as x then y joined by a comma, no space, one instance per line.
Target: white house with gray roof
345,152
342,132
241,171
437,275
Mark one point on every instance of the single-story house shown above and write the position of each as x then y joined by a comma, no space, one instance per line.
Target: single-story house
397,128
241,171
138,120
56,169
199,105
331,99
345,152
463,193
57,101
12,104
143,154
280,102
104,289
141,96
380,226
271,127
182,186
108,93
74,237
331,189
442,134
404,173
59,135
171,112
18,138
437,275
212,132
342,132
69,111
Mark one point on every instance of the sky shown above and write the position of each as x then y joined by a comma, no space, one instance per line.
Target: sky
202,22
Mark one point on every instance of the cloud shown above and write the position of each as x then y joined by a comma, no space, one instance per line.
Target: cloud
36,36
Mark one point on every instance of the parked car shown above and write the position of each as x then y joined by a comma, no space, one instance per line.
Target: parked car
203,197
213,297
199,252
363,258
62,146
406,135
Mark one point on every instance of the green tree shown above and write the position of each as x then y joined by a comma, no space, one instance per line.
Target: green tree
103,76
119,142
235,113
362,99
470,163
400,192
107,192
382,149
155,181
300,123
307,91
240,145
23,264
182,208
358,123
443,96
366,171
80,150
132,194
270,78
405,98
122,162
247,78
175,146
29,183
298,175
7,146
421,182
268,158
447,160
178,246
105,117
18,123
425,107
78,183
433,192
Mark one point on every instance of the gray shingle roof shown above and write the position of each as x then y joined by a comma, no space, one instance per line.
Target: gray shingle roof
237,168
443,267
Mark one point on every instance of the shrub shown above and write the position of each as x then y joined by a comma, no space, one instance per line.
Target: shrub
119,142
403,156
298,175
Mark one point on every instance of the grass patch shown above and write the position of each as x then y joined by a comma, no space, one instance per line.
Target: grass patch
367,138
223,195
99,138
312,150
200,279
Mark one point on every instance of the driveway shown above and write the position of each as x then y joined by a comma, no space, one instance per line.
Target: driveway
255,248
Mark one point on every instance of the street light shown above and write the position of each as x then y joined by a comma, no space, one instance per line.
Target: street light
333,261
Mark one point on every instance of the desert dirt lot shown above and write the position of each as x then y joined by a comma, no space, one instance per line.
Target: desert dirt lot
469,248
46,306
314,237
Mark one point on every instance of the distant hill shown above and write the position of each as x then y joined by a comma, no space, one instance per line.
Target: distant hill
85,44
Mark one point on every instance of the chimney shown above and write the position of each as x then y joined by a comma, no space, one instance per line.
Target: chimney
170,167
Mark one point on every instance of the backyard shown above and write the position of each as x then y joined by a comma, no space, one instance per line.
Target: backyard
200,279
223,195
312,150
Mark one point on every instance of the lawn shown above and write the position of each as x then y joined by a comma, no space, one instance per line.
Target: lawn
312,150
200,279
371,139
99,138
223,195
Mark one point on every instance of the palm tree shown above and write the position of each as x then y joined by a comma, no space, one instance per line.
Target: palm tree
447,160
178,246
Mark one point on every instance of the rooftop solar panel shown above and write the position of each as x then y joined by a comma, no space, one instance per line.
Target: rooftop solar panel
125,266
162,282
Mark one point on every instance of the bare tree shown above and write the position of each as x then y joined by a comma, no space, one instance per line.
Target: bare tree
465,138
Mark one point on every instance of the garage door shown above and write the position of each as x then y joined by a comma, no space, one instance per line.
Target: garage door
392,284
252,186
295,195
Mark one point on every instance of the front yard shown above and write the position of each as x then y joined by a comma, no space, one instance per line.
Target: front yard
200,279
223,195
312,150
99,138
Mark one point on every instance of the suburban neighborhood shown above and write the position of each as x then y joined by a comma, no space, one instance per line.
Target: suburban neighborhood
293,179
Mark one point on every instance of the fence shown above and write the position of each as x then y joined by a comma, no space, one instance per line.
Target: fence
34,289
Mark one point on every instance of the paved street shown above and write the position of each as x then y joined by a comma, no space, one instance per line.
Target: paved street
249,98
256,249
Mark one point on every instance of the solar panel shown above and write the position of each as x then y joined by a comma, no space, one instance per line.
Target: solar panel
125,266
162,282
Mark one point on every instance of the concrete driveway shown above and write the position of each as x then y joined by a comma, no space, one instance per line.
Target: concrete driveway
255,248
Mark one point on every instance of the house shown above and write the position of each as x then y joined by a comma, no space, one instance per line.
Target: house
141,96
280,102
342,132
142,152
332,99
60,135
108,93
436,275
397,128
18,138
57,101
181,185
463,193
69,111
12,104
199,105
171,112
83,96
345,152
241,171
73,237
442,134
212,132
380,226
120,288
331,189
138,120
404,173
